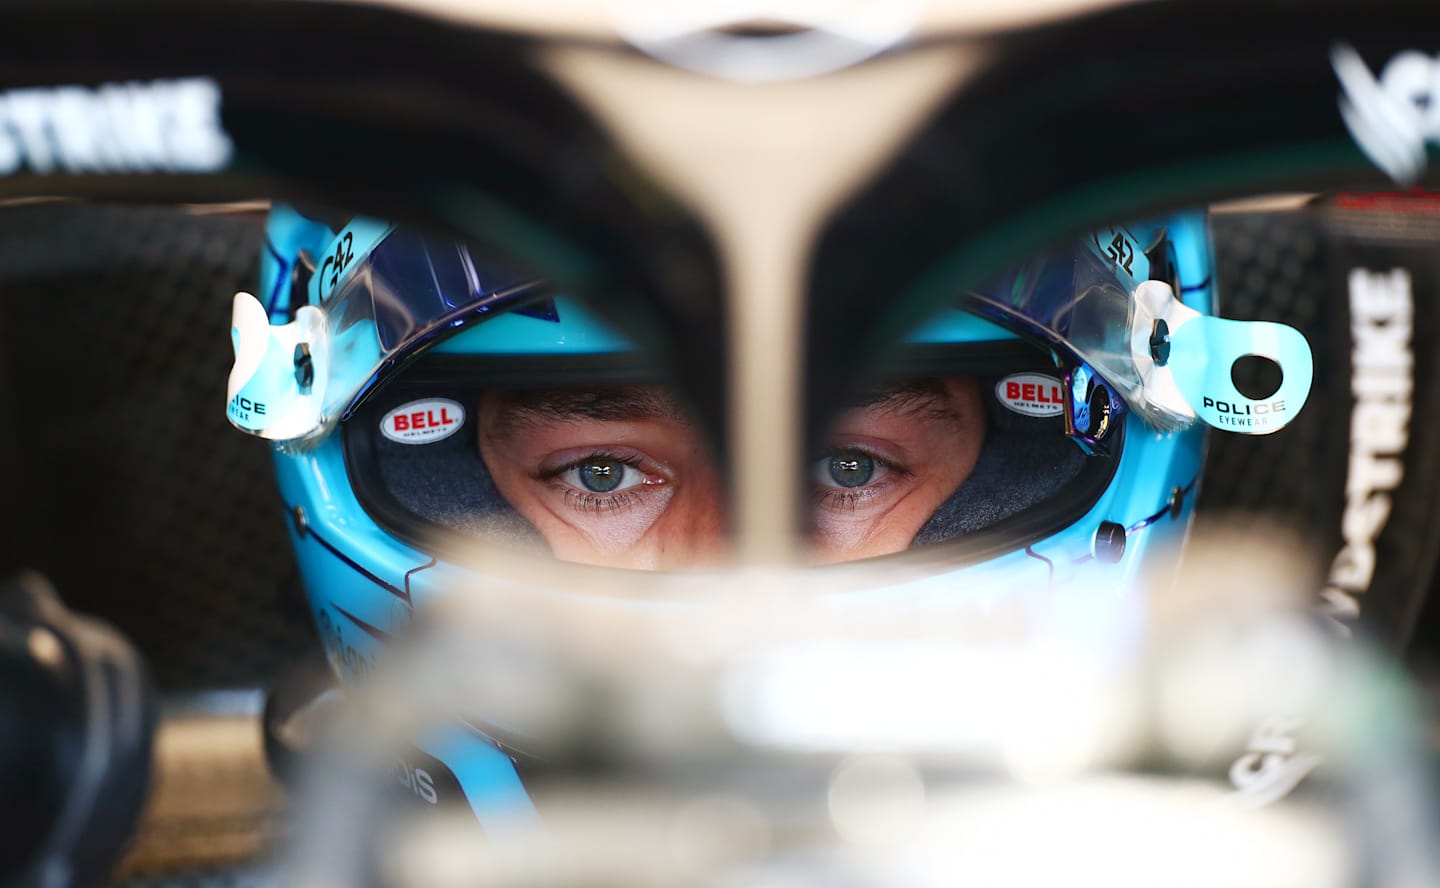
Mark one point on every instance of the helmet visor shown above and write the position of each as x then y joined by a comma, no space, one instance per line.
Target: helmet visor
378,296
1110,314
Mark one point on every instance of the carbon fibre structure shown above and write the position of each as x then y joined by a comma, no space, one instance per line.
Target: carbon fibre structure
1273,266
139,501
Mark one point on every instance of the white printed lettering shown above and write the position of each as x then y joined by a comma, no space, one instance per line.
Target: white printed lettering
1271,765
78,143
1381,309
27,120
1392,117
10,153
141,145
196,141
165,126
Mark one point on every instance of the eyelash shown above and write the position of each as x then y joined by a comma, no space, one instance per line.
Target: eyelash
583,501
838,499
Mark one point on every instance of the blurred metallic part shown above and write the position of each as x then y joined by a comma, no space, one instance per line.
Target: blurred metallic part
877,801
592,20
213,803
1235,569
221,209
1264,203
764,40
217,702
822,740
77,722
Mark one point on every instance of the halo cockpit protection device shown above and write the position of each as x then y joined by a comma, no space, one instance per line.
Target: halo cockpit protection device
372,352
756,264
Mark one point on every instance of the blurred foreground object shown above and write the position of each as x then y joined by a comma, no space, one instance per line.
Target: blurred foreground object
76,728
783,736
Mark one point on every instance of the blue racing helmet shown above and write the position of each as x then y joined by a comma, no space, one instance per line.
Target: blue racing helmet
385,363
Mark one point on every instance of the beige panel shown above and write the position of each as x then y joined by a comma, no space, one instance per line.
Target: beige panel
762,165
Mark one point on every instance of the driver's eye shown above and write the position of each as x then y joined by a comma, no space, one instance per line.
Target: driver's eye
846,468
602,475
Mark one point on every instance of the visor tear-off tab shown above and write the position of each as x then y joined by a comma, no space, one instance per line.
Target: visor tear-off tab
1196,380
270,395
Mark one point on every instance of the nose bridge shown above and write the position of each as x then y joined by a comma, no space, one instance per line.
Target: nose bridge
762,165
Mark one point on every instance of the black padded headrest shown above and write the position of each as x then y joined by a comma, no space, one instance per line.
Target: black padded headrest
1025,461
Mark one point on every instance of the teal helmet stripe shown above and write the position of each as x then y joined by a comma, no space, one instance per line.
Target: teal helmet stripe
580,331
287,233
958,325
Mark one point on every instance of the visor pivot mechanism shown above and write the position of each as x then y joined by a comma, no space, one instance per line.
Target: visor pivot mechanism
1091,410
304,367
277,384
1160,342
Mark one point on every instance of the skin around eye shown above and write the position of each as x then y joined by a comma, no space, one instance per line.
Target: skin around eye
890,465
612,477
616,477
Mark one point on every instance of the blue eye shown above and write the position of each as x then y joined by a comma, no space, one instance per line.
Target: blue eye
846,469
851,469
602,474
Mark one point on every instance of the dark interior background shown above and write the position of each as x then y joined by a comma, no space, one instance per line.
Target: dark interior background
126,485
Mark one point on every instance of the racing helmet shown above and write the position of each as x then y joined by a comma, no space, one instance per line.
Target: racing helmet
1062,398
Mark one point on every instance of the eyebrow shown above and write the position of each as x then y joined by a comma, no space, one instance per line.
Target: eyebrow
523,408
925,397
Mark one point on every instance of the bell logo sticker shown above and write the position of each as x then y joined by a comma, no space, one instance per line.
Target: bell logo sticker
423,422
1033,394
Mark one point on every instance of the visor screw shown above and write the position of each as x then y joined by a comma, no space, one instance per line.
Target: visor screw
1109,545
1160,342
302,526
304,367
1177,502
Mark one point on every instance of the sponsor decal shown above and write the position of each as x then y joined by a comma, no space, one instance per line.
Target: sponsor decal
1393,116
1121,251
417,780
423,422
1382,381
343,656
426,778
242,408
1272,764
1255,414
1033,394
164,126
